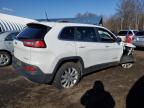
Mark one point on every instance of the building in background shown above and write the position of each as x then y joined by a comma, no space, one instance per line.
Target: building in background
84,20
12,23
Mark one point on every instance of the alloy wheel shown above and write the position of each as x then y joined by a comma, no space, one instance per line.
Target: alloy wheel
69,77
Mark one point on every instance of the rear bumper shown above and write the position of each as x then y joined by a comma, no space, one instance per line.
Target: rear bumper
38,76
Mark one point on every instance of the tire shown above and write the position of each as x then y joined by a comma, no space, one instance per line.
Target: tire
5,59
127,65
68,75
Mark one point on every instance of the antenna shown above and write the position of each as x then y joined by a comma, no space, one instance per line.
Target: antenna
46,16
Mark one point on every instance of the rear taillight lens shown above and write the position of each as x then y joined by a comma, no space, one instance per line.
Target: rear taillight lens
30,69
34,43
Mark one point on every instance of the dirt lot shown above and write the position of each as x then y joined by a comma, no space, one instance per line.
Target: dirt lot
17,92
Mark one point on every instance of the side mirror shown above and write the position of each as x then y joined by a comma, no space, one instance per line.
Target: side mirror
119,39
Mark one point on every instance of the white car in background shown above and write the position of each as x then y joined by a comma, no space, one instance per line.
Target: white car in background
6,47
122,34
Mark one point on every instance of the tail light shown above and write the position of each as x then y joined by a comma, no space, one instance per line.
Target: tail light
34,43
30,69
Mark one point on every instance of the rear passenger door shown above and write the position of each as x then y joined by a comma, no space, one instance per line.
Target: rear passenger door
67,44
88,46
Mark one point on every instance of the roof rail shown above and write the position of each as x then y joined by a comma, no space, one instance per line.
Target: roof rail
84,20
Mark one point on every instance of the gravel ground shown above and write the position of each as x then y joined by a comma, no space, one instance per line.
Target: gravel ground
17,92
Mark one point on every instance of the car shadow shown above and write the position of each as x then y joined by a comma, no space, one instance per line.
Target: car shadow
97,97
139,48
135,97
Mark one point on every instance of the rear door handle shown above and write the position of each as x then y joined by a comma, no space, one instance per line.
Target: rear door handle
82,47
107,46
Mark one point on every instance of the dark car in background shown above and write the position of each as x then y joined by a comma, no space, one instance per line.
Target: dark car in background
139,39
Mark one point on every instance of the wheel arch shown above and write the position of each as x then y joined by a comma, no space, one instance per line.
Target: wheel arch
2,50
75,59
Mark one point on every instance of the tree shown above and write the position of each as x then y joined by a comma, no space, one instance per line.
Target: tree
130,14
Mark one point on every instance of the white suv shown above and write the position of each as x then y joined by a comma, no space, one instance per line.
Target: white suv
61,53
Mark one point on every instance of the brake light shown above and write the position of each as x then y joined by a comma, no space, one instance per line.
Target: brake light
34,43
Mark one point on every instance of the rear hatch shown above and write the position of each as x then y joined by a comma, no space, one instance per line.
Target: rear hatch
31,37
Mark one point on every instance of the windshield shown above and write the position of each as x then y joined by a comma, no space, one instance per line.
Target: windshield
2,32
135,32
122,33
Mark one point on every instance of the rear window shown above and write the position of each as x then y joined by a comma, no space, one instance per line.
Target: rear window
34,31
124,33
140,33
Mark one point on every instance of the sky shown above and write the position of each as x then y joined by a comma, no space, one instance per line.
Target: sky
36,9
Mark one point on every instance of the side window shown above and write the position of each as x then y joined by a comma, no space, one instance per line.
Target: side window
86,34
105,36
11,36
67,33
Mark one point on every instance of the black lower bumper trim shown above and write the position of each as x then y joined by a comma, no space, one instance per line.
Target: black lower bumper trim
38,76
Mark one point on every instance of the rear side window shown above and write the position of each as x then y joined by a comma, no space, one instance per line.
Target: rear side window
34,31
67,33
86,34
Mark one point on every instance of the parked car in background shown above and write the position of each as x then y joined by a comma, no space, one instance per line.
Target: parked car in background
139,39
123,33
6,47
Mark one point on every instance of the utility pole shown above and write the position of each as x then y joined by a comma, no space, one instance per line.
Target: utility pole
121,23
137,21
